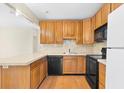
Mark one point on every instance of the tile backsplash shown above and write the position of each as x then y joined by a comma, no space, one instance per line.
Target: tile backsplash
98,46
70,44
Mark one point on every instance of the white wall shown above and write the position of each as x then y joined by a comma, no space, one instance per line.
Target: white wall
15,41
16,33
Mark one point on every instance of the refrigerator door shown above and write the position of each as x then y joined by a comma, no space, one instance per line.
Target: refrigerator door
115,32
115,69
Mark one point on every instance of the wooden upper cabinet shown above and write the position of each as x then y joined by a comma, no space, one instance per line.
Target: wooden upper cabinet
47,35
114,6
50,34
43,32
98,19
87,32
59,32
68,29
106,9
93,25
79,32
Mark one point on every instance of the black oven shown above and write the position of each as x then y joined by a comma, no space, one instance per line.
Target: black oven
92,70
101,34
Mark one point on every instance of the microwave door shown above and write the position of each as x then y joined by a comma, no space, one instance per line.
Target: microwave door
101,33
99,36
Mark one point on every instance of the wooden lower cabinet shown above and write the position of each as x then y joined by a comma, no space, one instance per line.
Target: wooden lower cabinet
102,71
23,77
38,72
43,69
35,74
73,65
16,77
81,65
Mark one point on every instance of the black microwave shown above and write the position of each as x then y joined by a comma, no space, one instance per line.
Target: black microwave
101,34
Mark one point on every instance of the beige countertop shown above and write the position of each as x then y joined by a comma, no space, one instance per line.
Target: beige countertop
29,58
103,61
21,60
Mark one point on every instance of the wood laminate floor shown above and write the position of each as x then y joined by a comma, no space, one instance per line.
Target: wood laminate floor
65,82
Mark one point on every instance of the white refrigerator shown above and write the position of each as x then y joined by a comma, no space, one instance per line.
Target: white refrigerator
115,50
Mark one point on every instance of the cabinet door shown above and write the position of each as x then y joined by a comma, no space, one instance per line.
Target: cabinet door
68,30
50,34
79,32
98,19
59,32
115,6
35,74
87,32
35,77
102,71
93,21
105,12
81,65
69,65
43,32
43,69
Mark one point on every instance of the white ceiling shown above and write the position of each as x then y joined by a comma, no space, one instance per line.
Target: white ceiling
64,10
9,19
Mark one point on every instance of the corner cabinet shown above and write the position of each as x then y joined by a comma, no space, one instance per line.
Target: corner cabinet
115,6
38,72
88,36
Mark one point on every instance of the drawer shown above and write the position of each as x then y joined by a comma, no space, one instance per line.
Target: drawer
70,58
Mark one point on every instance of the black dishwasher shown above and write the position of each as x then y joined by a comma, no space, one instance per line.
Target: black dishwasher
55,65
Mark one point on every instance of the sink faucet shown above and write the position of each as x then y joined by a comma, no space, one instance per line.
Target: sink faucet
69,50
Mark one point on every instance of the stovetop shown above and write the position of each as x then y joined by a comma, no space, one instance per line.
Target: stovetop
96,56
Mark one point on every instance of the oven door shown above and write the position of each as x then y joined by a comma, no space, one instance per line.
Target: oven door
92,72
